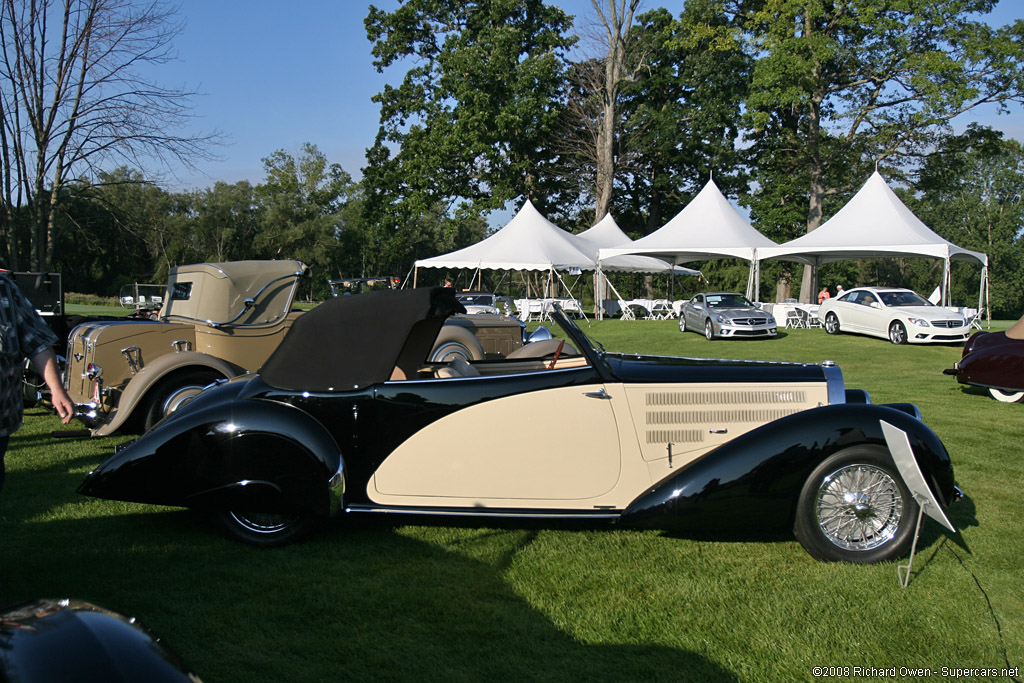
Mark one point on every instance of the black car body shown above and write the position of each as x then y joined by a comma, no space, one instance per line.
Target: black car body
73,641
338,422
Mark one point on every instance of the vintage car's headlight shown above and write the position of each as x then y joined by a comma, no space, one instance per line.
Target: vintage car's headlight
93,372
920,322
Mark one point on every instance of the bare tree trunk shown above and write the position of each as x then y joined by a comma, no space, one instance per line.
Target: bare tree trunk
73,100
616,24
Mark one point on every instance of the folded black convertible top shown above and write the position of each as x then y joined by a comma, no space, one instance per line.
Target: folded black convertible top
354,341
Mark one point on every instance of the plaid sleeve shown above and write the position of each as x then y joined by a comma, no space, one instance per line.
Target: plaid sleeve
34,335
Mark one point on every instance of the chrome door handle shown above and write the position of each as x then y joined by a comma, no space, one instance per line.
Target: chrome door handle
718,431
597,394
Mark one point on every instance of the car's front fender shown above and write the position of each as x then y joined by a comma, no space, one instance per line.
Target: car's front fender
754,480
239,455
138,387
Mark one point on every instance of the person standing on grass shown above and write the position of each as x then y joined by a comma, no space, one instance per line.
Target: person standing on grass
23,334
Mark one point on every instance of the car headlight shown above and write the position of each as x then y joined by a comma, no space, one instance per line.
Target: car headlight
920,322
720,318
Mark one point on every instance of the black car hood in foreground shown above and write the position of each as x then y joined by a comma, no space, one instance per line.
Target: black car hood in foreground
44,641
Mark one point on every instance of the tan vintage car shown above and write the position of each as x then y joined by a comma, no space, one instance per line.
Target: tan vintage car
217,321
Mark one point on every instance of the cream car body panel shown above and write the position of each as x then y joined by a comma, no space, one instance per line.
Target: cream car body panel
507,472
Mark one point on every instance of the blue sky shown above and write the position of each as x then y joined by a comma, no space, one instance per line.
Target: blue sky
276,74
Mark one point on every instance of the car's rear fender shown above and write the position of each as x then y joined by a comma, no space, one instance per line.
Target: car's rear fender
146,378
755,479
241,455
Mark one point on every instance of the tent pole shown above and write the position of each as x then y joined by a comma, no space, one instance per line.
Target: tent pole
983,295
946,282
415,276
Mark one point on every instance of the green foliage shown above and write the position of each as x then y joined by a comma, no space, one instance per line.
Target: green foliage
469,126
690,87
837,86
971,192
301,203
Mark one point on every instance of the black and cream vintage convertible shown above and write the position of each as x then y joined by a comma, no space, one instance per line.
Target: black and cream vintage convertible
346,417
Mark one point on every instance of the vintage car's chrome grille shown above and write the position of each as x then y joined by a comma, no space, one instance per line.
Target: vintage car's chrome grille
688,417
675,436
947,323
755,407
713,397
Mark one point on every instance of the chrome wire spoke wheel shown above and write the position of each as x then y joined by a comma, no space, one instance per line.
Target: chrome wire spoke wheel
263,522
858,507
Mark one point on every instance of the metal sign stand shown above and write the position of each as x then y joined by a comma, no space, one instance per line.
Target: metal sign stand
903,570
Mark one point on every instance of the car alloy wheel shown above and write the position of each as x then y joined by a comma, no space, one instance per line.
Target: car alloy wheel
682,323
897,333
832,323
709,330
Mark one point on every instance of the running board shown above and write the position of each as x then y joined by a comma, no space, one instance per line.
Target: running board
514,513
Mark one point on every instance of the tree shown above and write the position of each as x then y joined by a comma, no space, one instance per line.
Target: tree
75,98
470,126
302,198
618,67
839,87
680,114
971,191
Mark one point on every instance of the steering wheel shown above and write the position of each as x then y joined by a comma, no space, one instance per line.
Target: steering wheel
558,352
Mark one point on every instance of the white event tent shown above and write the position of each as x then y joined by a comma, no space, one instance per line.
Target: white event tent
708,227
876,224
527,242
605,234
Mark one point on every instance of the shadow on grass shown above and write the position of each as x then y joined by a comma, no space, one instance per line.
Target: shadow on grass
360,602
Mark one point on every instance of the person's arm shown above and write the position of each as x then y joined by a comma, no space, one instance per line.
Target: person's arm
45,363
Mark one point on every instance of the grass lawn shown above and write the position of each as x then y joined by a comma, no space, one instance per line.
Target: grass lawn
385,601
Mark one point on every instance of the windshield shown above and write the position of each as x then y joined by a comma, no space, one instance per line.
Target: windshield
903,299
475,299
579,339
728,301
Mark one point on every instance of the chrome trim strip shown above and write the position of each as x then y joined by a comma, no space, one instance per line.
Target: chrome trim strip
336,489
836,385
495,512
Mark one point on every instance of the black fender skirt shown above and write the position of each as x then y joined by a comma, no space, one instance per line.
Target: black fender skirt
753,481
244,455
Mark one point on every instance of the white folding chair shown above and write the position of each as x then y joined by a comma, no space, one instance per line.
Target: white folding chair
627,312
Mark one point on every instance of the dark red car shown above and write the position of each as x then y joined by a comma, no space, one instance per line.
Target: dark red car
995,361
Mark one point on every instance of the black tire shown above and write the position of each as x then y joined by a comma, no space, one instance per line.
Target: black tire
173,392
264,529
455,342
854,507
832,323
897,333
682,323
709,330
